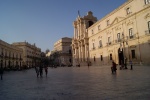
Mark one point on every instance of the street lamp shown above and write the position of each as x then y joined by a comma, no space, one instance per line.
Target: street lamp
124,55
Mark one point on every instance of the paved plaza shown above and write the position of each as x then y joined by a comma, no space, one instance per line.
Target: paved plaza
77,83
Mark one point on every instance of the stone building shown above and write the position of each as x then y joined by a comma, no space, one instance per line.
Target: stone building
63,52
80,41
122,35
10,56
31,53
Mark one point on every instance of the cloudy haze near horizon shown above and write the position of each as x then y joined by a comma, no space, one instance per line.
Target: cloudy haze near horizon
44,22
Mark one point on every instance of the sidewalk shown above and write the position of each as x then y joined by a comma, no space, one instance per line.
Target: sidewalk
77,83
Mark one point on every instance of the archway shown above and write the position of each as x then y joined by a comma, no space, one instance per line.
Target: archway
90,23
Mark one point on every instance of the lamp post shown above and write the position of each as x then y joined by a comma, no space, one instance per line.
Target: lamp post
124,55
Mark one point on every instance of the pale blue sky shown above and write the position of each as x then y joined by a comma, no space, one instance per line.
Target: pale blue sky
46,21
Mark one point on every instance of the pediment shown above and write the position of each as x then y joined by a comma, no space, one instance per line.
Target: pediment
129,22
116,20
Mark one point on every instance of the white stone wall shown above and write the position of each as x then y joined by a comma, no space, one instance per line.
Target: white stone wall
121,22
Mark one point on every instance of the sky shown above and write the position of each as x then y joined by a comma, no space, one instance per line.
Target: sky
44,22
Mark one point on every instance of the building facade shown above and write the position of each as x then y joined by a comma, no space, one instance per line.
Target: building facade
10,56
80,41
63,52
31,53
122,36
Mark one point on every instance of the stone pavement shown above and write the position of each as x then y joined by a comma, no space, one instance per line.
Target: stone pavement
77,83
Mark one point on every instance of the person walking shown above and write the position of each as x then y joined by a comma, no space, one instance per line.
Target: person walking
46,70
37,71
41,71
1,72
131,64
114,67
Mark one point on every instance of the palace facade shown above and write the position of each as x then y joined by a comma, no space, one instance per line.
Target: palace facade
122,36
10,56
31,54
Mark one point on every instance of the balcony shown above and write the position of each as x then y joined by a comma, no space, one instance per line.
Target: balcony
93,48
118,40
131,36
100,46
109,43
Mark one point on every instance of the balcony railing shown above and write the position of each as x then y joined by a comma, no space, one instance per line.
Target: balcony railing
109,43
118,40
131,36
100,46
93,48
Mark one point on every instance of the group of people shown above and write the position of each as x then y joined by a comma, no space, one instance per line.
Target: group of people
123,66
39,71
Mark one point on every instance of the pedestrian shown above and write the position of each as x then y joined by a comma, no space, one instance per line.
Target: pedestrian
41,71
125,64
122,65
131,64
114,67
88,64
37,71
1,72
46,70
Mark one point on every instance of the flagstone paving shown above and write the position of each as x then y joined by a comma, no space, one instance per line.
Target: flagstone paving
77,83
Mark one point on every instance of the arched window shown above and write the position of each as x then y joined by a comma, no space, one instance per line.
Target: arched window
90,23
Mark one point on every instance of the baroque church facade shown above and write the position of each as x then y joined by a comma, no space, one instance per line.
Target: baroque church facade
121,36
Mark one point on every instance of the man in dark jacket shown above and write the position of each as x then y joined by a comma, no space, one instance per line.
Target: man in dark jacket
1,72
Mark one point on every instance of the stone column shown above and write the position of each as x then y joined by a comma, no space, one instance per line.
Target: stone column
84,53
79,53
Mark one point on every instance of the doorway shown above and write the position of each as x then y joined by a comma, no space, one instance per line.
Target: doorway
120,56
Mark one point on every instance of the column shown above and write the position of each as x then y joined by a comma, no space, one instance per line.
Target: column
85,49
84,53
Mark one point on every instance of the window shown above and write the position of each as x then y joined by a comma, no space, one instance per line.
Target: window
133,54
107,22
118,36
109,40
90,23
92,32
93,46
101,57
147,1
131,33
110,56
98,27
128,11
100,43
